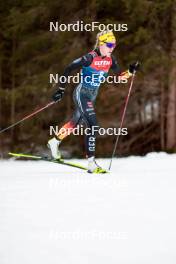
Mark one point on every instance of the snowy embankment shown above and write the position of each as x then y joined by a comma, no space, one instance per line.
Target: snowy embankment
50,213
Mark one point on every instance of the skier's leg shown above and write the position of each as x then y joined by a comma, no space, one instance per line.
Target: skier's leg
91,123
64,131
89,118
68,127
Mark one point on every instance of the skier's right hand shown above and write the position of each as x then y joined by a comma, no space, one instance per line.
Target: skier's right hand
57,96
134,67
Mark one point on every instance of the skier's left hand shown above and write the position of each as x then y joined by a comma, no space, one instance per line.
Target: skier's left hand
134,67
57,96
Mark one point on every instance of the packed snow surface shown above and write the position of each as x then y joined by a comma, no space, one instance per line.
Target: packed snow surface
50,213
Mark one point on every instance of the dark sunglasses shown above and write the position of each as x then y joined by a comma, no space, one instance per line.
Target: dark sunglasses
110,45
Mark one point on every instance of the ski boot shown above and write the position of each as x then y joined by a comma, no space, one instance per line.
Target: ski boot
53,145
93,167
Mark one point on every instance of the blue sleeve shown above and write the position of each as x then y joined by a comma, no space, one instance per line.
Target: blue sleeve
85,60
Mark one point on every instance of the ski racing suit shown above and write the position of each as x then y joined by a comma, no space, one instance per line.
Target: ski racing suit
86,92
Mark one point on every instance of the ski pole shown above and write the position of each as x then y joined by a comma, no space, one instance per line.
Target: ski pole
122,119
27,117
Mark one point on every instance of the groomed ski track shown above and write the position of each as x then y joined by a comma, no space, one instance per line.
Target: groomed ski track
51,213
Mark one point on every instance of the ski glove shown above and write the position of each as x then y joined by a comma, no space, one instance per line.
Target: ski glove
134,67
57,96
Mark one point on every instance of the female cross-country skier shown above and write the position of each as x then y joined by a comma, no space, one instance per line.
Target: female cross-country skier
97,62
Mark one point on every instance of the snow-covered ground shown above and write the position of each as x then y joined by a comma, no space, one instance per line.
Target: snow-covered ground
50,213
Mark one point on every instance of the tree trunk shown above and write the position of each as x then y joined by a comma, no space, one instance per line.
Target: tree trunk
162,116
13,84
171,110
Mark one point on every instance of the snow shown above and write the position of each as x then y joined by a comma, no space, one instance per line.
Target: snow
50,213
